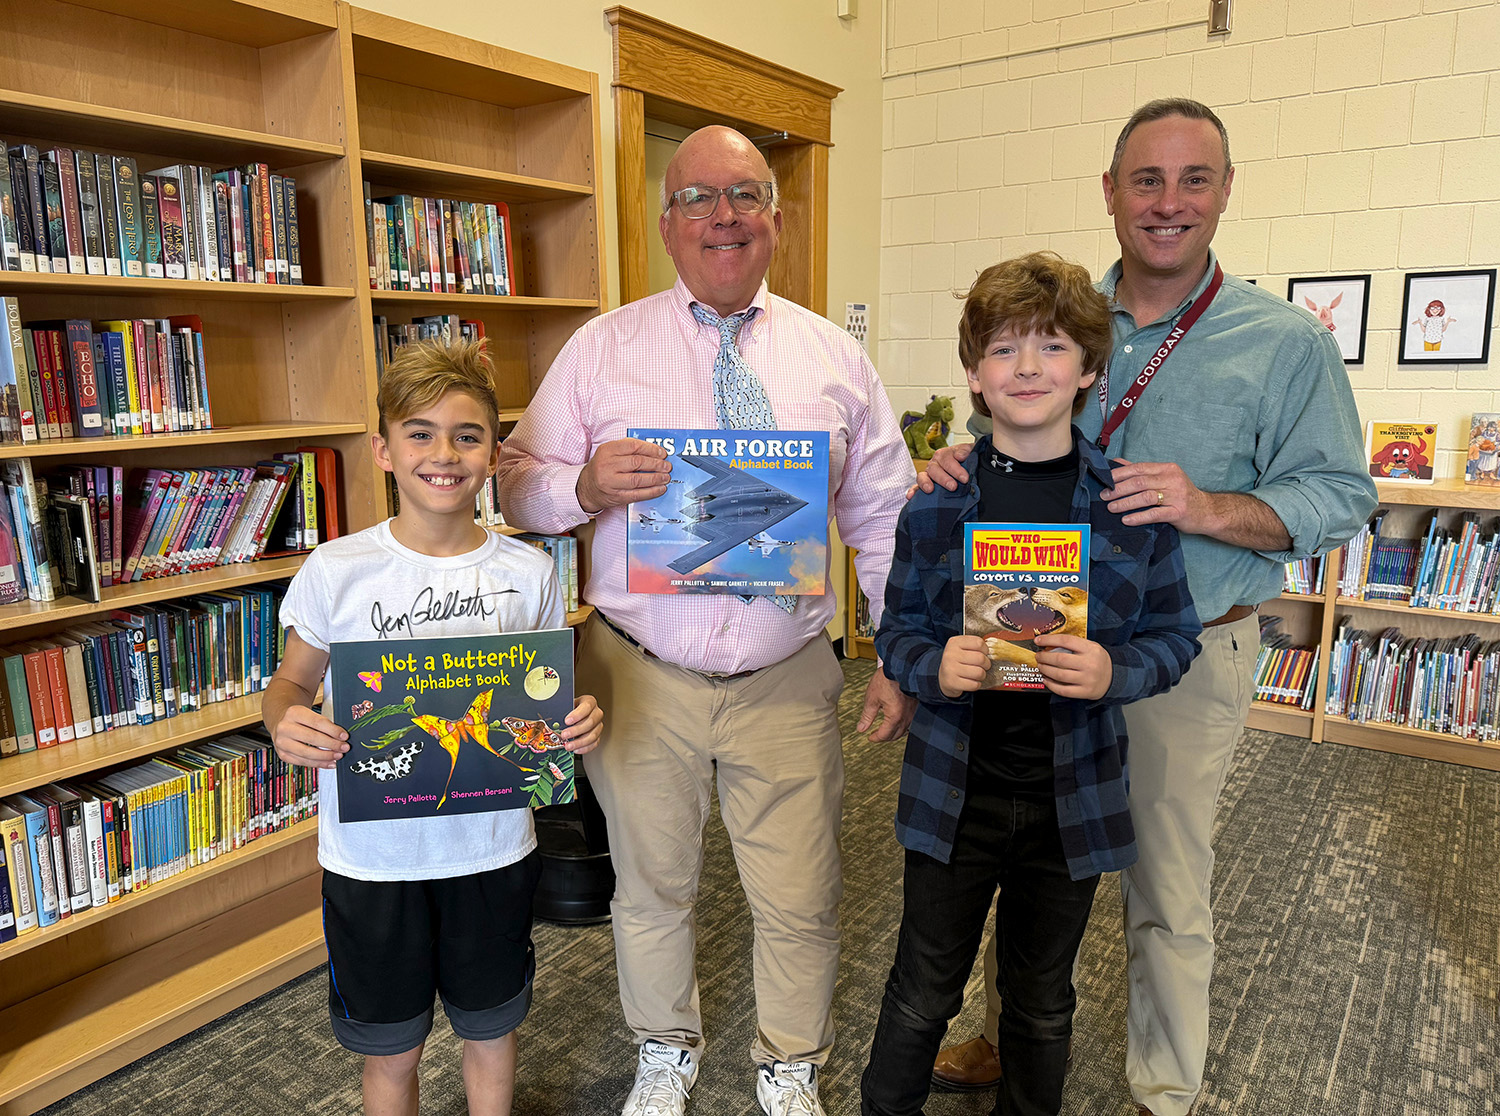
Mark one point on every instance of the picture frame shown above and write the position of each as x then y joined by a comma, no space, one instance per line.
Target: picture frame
1446,316
1341,303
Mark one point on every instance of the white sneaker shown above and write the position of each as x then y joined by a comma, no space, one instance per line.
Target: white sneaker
663,1077
788,1089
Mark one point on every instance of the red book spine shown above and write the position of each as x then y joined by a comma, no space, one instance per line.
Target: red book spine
49,381
62,704
41,699
268,231
60,381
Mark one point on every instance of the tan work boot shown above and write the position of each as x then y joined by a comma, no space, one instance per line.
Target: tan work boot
967,1067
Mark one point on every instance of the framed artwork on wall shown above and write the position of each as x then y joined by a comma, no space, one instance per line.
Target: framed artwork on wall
1340,302
1445,317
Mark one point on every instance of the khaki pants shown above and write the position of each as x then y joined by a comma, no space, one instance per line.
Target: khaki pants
773,739
1181,745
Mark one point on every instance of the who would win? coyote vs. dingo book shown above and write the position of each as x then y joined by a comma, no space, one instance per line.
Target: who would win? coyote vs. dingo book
1022,580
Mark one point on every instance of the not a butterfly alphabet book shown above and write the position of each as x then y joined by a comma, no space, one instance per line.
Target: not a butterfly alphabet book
746,512
456,725
1022,580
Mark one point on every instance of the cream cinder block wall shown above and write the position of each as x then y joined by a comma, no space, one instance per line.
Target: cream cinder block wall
1366,136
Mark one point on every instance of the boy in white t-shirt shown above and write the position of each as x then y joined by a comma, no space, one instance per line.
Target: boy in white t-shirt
413,906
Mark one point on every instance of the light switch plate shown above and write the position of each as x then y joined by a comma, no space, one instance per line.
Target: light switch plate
1218,17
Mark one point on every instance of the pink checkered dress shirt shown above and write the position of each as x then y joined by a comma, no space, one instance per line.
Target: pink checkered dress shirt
650,364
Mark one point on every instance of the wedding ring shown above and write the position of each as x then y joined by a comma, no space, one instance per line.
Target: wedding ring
1160,496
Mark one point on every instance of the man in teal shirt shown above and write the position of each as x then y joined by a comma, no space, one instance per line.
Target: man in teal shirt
1246,438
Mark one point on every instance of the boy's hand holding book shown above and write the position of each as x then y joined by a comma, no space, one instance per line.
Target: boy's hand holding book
966,660
309,739
583,726
1079,668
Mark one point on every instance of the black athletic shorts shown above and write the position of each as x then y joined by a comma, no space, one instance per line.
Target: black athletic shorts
391,945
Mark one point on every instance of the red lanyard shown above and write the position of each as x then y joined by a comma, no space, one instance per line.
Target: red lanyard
1153,366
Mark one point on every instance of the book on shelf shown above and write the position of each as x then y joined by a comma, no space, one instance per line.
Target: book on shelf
1451,566
143,665
1304,576
563,550
125,830
439,245
1285,673
72,211
1482,460
1447,685
1401,452
390,338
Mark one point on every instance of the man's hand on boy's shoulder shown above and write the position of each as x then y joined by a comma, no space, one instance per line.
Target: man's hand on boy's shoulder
585,724
1078,668
308,739
946,468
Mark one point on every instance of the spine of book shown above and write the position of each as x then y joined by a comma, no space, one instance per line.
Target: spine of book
89,213
65,170
109,208
128,215
9,735
80,701
80,340
192,247
57,234
40,697
242,273
41,216
450,269
20,702
267,224
14,345
293,232
18,867
278,228
25,218
148,373
112,341
32,497
223,227
48,426
173,246
152,258
57,343
370,235
435,245
97,858
10,212
208,224
62,700
49,904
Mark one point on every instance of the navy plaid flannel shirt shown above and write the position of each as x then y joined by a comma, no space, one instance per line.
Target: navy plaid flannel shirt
1139,608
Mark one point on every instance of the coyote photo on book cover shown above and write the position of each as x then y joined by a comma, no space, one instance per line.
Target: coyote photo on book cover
746,512
1022,580
454,725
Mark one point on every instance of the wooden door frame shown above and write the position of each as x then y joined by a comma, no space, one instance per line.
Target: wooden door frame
669,74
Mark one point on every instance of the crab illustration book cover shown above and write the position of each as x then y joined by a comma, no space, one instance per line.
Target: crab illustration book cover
456,725
1401,451
1022,580
746,512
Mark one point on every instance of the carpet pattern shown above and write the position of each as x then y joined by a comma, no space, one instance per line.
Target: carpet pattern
1357,973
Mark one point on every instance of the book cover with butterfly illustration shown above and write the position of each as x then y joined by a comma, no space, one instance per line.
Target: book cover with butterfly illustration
746,512
1022,580
457,725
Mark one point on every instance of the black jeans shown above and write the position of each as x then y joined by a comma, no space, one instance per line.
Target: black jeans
1039,923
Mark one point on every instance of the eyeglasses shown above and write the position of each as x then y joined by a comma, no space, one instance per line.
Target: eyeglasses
697,202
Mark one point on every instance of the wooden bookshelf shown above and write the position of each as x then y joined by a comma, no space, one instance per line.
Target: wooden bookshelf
332,95
1312,621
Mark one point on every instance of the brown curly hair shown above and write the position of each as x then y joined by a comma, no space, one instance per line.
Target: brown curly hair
1036,293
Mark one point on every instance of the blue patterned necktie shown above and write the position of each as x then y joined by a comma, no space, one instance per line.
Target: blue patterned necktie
740,401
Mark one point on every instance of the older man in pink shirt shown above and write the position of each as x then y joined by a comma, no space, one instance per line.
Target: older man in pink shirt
698,684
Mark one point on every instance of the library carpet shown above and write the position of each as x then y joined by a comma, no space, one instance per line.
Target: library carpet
1358,924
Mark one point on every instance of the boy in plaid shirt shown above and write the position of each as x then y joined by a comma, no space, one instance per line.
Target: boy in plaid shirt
1024,791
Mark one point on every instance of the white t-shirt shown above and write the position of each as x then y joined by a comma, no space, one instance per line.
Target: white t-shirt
368,586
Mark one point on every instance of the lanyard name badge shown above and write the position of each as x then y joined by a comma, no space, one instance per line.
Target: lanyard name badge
1153,366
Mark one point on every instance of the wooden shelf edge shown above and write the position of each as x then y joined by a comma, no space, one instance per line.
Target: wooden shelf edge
20,773
219,435
33,282
82,123
582,613
1413,742
1450,492
304,830
76,1033
1270,717
498,302
1408,610
26,613
518,186
1303,598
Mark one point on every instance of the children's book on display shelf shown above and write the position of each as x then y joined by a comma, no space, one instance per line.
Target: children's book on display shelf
453,725
1401,452
1482,462
746,512
1022,580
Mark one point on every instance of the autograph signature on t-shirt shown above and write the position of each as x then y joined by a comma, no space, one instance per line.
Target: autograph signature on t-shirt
429,608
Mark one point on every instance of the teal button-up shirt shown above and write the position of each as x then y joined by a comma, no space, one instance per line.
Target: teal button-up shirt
1253,399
